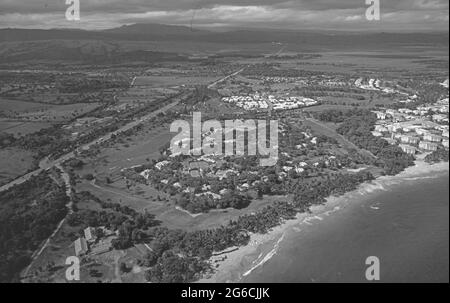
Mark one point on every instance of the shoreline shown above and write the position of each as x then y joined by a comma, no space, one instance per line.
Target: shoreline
234,265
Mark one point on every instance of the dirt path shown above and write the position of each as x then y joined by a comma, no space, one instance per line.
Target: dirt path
66,178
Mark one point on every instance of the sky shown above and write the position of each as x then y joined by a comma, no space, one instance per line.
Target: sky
396,15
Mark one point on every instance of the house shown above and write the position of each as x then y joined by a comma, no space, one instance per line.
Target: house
430,146
409,139
102,247
380,115
381,128
81,246
432,138
393,128
410,150
421,131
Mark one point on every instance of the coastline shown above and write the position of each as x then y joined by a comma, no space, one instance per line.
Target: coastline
233,265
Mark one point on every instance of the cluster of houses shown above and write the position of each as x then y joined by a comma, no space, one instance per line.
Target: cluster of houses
375,85
262,101
423,129
212,166
298,80
90,243
324,80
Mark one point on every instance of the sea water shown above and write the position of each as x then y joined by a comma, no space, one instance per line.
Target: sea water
404,224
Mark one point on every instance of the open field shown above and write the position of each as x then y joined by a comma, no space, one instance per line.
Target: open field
22,128
135,150
14,163
9,105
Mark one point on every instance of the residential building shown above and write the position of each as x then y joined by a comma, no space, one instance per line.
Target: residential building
432,138
410,150
429,146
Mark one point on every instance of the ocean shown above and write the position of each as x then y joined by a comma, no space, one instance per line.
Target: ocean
404,223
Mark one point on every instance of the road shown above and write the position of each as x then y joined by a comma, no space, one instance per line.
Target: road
46,164
225,78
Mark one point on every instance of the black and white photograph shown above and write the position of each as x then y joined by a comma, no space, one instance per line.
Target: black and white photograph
206,143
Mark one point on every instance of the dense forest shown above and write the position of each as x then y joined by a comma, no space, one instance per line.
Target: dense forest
440,155
357,127
29,213
337,115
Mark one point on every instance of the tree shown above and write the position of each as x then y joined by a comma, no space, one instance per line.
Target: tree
124,268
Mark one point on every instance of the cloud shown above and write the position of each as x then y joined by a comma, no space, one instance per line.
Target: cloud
322,14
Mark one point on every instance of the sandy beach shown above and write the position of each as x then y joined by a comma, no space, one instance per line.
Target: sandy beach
232,266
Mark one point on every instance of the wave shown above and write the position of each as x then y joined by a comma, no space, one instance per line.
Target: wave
370,188
420,178
329,212
266,257
308,220
296,229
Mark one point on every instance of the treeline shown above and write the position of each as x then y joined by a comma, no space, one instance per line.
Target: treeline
270,70
29,213
82,85
180,256
200,204
440,155
316,190
337,115
429,94
55,141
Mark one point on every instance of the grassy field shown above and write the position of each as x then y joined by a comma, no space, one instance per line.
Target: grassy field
14,162
9,105
22,128
33,111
